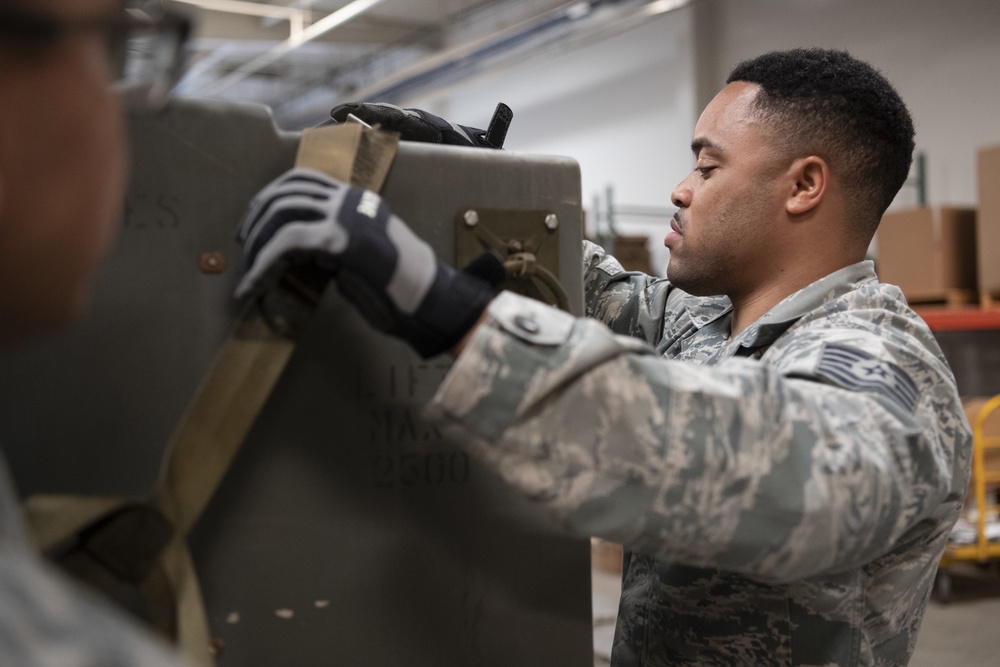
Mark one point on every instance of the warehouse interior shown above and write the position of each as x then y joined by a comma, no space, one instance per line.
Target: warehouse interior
618,86
615,87
612,73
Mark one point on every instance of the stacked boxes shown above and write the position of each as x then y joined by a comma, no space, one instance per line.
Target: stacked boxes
988,223
929,252
937,252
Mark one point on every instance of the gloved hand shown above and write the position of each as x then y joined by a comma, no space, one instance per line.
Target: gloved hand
419,125
390,274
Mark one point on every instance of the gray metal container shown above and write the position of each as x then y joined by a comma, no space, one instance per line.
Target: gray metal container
347,531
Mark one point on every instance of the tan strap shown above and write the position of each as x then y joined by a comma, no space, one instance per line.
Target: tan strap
210,433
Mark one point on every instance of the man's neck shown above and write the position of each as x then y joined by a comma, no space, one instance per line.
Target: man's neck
751,306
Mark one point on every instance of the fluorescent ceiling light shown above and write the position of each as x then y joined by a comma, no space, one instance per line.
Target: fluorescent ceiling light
242,7
661,6
334,19
298,35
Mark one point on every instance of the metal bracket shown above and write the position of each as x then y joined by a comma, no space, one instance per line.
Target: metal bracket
527,241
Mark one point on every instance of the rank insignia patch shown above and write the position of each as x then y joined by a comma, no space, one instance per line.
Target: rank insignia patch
853,369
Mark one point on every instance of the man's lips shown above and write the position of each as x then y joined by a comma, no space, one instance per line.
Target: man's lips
675,231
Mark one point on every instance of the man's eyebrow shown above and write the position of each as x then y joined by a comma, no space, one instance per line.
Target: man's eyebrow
701,143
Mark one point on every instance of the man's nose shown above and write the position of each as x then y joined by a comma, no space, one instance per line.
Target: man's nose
681,196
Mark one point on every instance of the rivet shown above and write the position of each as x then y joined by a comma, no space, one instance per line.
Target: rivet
471,218
552,222
211,262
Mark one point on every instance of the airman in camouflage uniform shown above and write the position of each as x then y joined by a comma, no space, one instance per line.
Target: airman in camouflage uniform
784,496
783,467
46,621
772,434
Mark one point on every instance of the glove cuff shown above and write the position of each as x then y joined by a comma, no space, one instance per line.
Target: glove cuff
452,306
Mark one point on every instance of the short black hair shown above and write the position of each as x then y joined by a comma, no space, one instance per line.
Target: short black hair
828,103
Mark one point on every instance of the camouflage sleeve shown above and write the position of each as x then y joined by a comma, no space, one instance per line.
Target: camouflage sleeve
46,620
769,471
629,303
49,622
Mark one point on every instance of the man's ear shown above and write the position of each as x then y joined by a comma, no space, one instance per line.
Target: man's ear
810,178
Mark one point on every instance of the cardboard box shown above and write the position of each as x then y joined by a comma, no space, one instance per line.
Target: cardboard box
988,221
606,556
633,254
928,251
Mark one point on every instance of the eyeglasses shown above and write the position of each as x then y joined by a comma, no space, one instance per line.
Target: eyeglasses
145,44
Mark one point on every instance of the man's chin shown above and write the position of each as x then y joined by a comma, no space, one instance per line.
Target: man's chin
691,284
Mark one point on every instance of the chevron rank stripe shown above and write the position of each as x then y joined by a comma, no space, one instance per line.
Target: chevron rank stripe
853,369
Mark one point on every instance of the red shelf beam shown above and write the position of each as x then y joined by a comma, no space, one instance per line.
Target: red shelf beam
959,319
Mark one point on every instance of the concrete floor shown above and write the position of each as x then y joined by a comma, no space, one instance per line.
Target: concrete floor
965,632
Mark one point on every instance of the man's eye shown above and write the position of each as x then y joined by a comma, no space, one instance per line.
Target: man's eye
704,171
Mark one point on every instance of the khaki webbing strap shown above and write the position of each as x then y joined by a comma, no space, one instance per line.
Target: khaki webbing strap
351,153
218,420
106,541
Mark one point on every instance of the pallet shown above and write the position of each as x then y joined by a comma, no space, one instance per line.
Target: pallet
989,299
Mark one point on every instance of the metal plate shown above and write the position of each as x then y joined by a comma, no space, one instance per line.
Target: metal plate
348,531
527,241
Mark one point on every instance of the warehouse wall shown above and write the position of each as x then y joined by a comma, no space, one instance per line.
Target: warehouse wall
942,57
625,107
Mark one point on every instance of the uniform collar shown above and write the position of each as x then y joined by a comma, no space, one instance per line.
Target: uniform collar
710,309
788,311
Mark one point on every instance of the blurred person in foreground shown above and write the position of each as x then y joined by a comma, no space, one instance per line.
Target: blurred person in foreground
62,178
773,435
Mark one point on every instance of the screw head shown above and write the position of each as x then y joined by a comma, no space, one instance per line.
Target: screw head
552,222
471,218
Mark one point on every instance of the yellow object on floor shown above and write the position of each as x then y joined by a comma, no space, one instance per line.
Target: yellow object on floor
985,479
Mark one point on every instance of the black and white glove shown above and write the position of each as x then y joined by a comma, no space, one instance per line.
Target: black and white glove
389,273
419,125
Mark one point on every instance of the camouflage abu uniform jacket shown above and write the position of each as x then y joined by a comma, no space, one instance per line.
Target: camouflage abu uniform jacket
783,496
47,621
